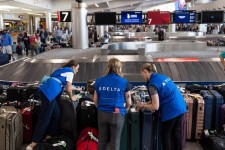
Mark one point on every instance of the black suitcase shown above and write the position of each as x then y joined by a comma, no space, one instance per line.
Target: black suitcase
87,115
213,141
68,119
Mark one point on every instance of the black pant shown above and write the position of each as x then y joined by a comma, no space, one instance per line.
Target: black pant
171,134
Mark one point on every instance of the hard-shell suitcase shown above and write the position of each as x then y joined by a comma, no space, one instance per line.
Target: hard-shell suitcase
208,98
27,124
213,101
150,134
4,58
130,137
195,116
222,115
189,102
87,114
199,106
68,118
219,102
11,131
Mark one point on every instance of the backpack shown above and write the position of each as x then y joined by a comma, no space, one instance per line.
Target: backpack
88,139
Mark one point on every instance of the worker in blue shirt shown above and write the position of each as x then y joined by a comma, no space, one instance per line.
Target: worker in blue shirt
222,56
166,98
111,93
49,91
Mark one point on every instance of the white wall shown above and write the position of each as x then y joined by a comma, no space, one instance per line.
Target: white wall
165,7
209,6
47,4
59,5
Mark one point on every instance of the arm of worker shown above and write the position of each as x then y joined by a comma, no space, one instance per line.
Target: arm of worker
128,100
153,105
69,91
95,99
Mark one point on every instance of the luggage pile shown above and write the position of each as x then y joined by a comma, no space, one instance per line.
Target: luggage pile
206,115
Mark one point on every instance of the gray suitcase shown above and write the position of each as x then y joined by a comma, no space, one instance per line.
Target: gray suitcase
11,128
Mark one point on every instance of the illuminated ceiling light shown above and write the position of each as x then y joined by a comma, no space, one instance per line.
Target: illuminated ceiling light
35,14
96,5
107,3
5,10
8,7
26,9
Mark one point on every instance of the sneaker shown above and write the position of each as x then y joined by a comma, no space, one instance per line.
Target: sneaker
29,147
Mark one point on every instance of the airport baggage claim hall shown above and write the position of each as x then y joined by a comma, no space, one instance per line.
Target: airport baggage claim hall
112,74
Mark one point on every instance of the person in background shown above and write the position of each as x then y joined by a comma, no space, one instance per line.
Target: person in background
26,40
48,92
222,56
58,35
6,41
20,40
165,97
34,44
111,92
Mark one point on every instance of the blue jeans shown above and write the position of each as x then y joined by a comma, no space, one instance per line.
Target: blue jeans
48,120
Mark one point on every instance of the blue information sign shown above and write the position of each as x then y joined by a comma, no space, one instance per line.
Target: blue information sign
184,16
131,17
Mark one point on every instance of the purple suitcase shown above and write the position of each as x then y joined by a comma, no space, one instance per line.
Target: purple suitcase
222,115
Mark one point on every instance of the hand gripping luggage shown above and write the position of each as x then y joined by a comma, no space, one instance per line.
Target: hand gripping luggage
11,131
68,118
87,115
88,139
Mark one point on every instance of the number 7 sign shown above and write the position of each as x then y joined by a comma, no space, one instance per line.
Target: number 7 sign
65,16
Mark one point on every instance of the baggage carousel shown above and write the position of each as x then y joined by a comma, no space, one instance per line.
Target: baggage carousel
202,66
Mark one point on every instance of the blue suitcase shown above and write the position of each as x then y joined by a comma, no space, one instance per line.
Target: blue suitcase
4,58
150,131
219,102
213,101
208,98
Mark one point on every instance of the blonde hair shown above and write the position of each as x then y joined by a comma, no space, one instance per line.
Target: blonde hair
149,67
114,65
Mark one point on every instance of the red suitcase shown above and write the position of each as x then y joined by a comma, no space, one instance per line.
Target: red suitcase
27,124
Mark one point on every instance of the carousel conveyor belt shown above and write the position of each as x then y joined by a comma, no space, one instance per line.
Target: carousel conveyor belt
29,71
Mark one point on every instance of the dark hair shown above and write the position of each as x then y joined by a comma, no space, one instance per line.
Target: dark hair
149,67
71,63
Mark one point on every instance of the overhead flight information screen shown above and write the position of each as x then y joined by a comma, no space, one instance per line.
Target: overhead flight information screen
184,16
105,18
212,16
131,17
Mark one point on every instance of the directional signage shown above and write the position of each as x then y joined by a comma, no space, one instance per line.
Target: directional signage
64,16
158,17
